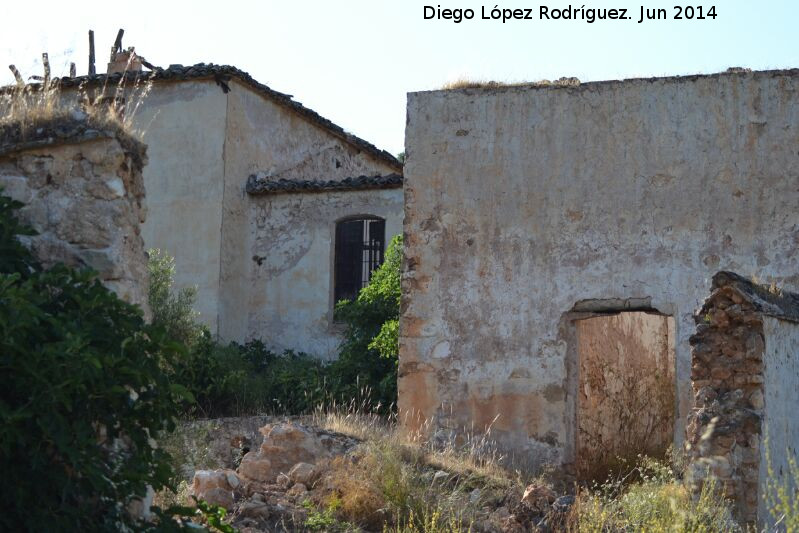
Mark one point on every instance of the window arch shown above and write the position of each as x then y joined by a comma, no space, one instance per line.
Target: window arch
359,246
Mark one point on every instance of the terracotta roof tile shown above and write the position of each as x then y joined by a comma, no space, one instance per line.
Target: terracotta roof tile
222,74
261,185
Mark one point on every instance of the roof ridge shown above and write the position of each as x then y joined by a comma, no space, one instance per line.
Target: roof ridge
222,74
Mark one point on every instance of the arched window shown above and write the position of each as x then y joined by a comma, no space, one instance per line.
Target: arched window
359,251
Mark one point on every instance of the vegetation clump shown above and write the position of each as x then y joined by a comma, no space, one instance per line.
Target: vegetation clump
236,379
84,394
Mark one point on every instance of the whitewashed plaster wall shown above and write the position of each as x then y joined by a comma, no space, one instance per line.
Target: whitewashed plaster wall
522,202
290,304
183,125
781,425
262,136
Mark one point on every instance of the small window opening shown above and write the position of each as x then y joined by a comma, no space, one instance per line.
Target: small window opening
359,251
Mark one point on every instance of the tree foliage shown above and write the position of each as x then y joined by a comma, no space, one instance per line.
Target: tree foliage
369,353
83,394
172,310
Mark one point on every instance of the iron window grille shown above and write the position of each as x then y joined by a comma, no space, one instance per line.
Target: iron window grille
359,248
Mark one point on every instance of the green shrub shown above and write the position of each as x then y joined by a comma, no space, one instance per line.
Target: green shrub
83,393
172,310
14,257
369,353
238,379
213,373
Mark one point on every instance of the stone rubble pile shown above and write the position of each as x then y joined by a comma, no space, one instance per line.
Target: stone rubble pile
266,491
269,489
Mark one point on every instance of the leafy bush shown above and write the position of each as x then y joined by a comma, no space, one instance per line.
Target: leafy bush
14,257
171,310
369,353
82,395
237,379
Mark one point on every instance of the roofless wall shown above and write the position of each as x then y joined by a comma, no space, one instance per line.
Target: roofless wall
531,208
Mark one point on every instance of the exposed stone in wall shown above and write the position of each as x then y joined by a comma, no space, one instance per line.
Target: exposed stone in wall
84,195
725,429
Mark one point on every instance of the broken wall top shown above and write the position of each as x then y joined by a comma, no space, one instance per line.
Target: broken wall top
769,301
68,128
575,85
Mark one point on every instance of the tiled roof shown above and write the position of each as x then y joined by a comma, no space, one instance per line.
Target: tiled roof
222,74
259,184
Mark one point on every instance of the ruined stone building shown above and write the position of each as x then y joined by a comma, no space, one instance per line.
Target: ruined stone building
83,192
559,239
743,429
248,190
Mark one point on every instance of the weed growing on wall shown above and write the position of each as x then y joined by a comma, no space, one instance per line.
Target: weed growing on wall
32,106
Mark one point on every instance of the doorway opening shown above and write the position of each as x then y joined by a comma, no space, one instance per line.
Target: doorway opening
626,390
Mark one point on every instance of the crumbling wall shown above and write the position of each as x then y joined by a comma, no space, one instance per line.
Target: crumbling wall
523,201
745,357
84,195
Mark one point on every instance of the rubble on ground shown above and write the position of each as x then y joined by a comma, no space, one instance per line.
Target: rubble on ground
278,484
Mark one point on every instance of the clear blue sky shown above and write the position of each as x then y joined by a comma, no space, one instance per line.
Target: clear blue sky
353,61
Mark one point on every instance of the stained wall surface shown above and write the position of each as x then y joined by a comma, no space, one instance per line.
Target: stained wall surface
204,143
292,275
626,390
525,203
183,125
284,300
781,393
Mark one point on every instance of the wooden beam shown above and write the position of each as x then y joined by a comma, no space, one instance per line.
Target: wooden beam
46,64
72,70
92,71
17,75
117,44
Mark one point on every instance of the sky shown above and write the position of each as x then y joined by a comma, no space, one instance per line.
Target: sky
354,61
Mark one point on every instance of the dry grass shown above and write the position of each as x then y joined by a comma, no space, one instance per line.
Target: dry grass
656,502
409,483
472,455
412,484
466,83
33,106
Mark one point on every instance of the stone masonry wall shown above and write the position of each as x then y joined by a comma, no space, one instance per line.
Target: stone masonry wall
726,430
83,193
